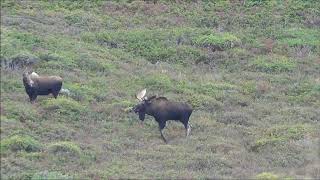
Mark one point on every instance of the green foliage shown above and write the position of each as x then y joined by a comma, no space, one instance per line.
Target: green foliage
22,112
20,143
267,176
64,107
65,149
14,40
220,41
249,69
158,81
32,155
212,88
204,102
300,37
12,85
156,44
46,175
273,64
81,92
282,134
249,87
302,88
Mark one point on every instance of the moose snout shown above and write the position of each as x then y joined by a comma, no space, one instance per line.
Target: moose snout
133,109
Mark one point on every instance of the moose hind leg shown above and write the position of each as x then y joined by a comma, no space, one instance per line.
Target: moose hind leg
161,127
187,127
55,95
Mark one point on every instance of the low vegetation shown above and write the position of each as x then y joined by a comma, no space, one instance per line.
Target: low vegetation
249,68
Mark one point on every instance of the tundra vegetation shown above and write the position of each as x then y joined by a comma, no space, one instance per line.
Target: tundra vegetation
249,68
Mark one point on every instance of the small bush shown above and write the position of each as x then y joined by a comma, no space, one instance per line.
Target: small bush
21,112
238,118
204,102
80,92
273,64
282,134
46,175
299,37
20,143
63,105
267,176
218,41
65,148
19,44
32,155
248,87
159,81
211,89
302,89
12,85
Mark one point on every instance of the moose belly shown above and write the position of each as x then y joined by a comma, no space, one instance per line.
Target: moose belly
173,116
44,91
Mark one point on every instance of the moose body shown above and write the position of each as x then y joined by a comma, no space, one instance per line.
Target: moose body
163,110
41,85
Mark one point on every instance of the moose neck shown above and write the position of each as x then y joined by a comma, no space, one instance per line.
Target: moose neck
27,81
150,109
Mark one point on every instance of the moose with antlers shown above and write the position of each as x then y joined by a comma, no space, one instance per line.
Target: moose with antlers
163,110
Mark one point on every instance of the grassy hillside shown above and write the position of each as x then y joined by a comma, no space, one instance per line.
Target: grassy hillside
250,69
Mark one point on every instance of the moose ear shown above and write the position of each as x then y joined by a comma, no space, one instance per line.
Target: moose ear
141,94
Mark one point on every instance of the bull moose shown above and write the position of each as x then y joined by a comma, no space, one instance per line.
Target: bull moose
41,85
163,110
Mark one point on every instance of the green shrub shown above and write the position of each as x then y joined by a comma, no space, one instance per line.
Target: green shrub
81,92
282,134
47,175
32,155
249,87
65,148
271,64
219,41
63,106
12,85
20,143
211,89
267,176
94,65
158,81
170,45
14,42
21,112
204,102
299,37
301,88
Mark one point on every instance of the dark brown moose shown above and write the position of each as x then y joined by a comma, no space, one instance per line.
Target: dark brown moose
41,85
163,110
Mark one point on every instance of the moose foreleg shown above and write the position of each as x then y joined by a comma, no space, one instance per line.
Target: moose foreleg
161,127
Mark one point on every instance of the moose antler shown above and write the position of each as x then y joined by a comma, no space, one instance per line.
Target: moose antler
141,94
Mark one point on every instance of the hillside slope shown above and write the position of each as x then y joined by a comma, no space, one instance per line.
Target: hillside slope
250,69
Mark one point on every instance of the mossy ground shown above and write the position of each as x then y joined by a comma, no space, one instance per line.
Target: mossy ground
250,69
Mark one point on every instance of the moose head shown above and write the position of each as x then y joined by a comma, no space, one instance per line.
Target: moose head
145,102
